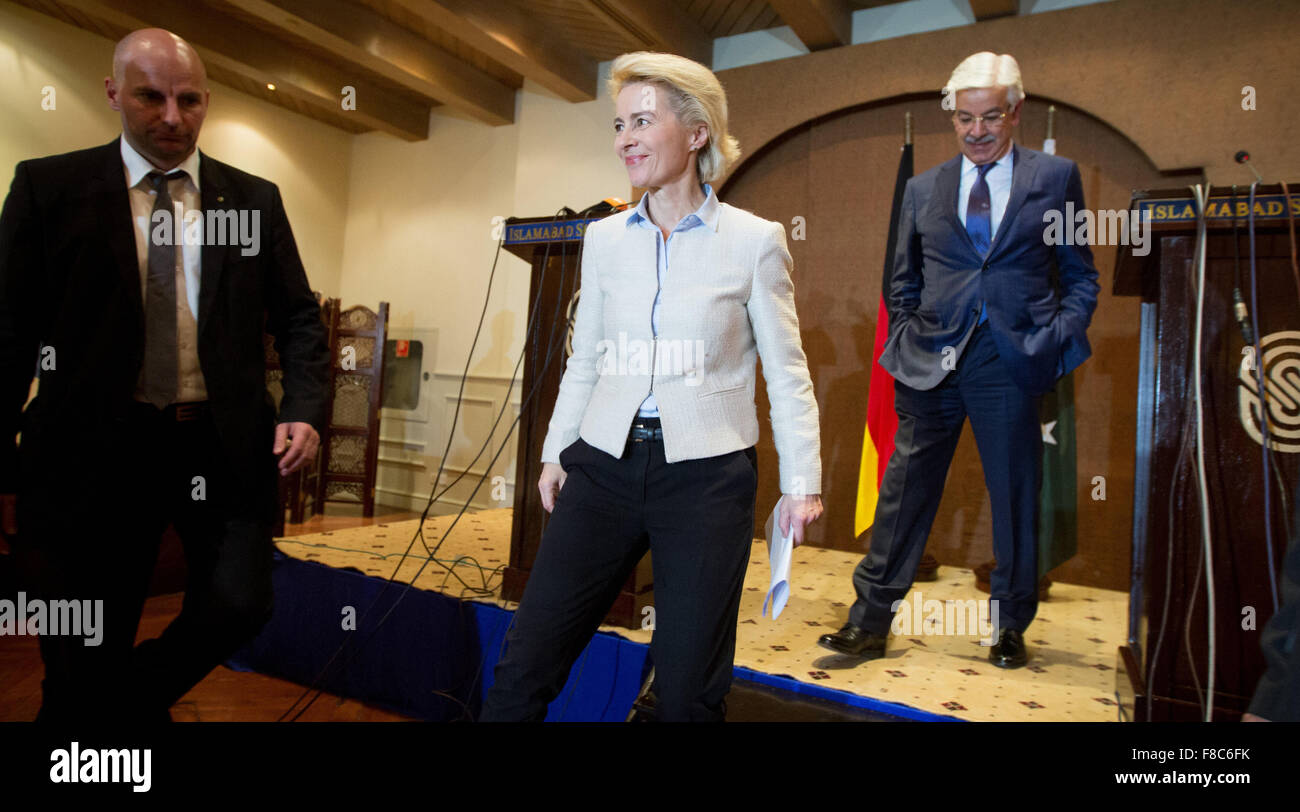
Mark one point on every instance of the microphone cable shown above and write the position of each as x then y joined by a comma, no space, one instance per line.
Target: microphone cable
552,346
546,516
1263,398
420,529
1175,492
1201,246
1250,331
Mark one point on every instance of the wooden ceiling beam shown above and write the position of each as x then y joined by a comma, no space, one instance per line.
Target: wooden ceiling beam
990,9
260,57
819,24
658,24
364,38
506,33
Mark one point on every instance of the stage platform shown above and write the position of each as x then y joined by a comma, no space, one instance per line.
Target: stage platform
433,655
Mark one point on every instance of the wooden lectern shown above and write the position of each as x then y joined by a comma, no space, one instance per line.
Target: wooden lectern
1161,677
553,247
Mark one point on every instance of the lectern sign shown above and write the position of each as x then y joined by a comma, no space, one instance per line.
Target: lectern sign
553,231
1219,207
1281,368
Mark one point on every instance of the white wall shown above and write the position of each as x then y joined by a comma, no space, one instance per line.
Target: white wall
420,235
421,216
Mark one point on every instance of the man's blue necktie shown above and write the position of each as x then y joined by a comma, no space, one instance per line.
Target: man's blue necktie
979,223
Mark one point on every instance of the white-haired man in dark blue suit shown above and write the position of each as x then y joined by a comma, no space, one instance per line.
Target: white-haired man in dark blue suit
985,314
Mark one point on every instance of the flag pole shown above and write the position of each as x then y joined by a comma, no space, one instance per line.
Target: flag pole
1058,501
882,417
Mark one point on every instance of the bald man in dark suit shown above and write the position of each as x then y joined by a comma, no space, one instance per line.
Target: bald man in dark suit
152,406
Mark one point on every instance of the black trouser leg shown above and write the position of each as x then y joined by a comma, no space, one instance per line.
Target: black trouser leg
700,515
1004,419
929,426
697,518
228,562
1005,422
87,675
594,539
101,543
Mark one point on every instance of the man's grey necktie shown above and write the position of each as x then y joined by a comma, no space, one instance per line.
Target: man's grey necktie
159,376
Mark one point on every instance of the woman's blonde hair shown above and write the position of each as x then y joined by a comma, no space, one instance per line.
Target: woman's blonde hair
695,96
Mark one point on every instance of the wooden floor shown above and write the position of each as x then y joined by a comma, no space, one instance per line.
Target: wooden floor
225,695
234,696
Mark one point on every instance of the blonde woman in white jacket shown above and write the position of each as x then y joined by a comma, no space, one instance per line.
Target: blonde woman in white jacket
651,441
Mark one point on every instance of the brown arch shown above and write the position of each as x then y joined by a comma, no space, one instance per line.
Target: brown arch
1032,101
837,173
1178,99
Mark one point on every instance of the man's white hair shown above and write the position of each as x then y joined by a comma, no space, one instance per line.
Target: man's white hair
987,69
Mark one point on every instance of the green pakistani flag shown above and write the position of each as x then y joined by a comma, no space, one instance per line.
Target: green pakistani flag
1058,510
1058,507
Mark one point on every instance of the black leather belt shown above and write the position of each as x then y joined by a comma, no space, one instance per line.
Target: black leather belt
185,412
176,412
645,429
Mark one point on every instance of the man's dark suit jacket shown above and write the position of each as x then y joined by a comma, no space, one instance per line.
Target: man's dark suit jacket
70,281
1040,297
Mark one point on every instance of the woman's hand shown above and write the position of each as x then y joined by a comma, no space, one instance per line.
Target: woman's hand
551,481
799,510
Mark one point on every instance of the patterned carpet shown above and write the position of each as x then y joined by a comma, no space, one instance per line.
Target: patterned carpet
1072,643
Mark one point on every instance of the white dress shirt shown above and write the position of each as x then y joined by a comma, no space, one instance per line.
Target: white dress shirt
190,383
999,181
705,215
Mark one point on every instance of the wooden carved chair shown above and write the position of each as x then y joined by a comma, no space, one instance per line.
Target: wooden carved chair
350,445
299,488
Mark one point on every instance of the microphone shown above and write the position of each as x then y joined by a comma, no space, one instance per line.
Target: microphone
606,206
1243,157
1242,316
1239,310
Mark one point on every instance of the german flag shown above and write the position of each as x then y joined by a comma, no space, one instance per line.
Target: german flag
882,420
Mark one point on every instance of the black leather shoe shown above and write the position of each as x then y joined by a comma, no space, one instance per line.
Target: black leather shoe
1009,652
855,641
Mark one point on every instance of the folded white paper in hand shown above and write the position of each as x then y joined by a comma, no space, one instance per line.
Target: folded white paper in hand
780,549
